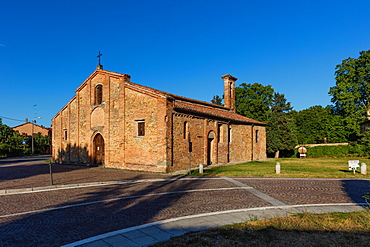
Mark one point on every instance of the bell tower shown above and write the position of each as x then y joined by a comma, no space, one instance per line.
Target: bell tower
229,91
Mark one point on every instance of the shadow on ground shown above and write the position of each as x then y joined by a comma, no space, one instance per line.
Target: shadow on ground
104,210
356,189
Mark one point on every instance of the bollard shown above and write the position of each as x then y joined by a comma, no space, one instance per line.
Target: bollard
51,174
277,169
363,168
201,168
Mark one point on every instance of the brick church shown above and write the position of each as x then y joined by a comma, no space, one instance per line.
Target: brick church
114,122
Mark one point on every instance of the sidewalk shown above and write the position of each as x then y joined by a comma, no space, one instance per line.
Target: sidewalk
149,234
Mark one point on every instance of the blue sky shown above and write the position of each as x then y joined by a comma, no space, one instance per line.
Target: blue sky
49,47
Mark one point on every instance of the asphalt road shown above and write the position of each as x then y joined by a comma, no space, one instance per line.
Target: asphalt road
64,215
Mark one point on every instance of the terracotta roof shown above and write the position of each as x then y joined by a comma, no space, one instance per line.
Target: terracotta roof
165,94
27,123
200,107
212,111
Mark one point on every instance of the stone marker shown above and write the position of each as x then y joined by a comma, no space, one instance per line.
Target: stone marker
363,168
201,168
277,168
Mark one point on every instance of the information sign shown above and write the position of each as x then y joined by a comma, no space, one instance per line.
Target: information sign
353,164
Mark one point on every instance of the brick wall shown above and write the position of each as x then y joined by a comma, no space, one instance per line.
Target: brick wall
144,152
259,146
182,157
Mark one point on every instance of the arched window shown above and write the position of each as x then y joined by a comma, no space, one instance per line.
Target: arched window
98,94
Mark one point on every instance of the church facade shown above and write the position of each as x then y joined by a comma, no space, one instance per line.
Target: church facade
114,122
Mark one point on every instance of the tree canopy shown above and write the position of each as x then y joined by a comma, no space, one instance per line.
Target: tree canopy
216,100
253,100
351,94
262,103
10,141
280,132
319,124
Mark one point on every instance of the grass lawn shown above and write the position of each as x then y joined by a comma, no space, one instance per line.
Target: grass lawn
291,167
332,229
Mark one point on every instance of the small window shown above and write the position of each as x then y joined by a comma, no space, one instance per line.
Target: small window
65,135
141,128
98,94
186,130
256,135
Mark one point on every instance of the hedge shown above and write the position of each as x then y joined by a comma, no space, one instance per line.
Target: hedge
353,150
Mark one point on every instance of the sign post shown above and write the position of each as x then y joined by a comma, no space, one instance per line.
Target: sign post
353,165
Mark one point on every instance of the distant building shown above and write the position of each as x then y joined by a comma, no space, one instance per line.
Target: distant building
114,122
26,129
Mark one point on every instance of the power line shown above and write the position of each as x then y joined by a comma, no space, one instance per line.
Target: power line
12,119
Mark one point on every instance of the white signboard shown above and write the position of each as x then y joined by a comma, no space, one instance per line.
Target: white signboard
353,164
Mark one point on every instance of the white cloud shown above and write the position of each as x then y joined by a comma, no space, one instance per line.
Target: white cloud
2,45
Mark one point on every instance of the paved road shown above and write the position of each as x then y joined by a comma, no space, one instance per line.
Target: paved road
29,172
57,216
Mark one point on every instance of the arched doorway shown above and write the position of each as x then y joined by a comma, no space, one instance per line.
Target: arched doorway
210,147
98,157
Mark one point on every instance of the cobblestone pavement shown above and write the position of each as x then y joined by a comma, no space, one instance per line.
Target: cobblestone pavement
27,172
65,215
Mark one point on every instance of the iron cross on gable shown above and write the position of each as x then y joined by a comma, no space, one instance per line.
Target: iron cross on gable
98,56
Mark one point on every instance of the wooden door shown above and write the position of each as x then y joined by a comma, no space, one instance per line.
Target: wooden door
99,150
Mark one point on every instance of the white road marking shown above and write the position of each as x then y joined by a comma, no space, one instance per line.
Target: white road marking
256,192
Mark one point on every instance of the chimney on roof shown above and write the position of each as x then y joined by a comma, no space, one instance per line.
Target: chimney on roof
229,91
126,77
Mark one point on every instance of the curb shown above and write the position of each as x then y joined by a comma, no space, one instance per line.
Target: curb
267,212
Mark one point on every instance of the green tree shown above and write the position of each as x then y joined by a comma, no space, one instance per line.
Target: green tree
5,133
319,124
10,141
364,143
216,100
263,104
351,94
280,132
42,143
254,100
